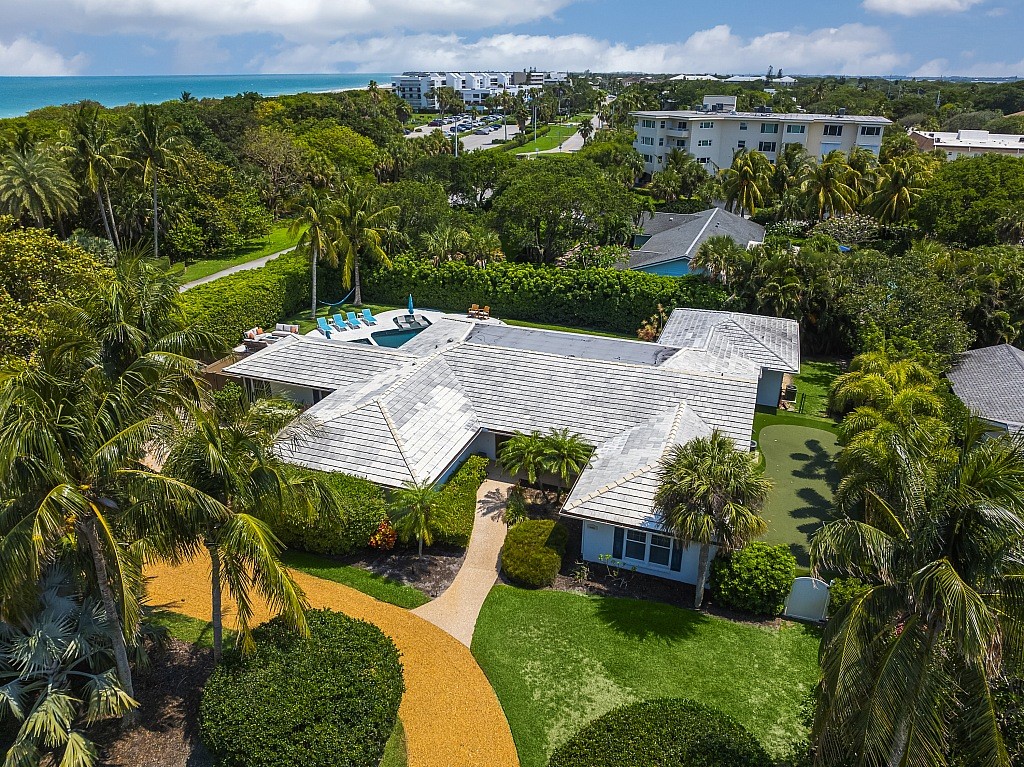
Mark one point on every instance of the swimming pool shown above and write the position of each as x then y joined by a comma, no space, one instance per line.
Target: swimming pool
394,338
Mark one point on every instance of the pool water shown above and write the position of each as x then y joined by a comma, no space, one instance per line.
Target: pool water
394,338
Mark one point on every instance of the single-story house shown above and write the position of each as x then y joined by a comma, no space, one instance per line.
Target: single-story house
990,382
670,240
772,343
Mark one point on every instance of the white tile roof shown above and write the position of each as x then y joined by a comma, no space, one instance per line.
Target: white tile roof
619,485
771,342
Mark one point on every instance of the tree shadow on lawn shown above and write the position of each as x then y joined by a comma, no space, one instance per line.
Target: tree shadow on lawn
818,466
642,619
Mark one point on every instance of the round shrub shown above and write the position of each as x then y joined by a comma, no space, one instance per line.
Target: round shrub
358,510
328,700
532,554
668,732
757,578
841,591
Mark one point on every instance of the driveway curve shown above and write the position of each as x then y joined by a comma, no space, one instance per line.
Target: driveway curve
451,715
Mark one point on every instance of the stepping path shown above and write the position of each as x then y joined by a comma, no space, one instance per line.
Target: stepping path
451,715
456,610
254,264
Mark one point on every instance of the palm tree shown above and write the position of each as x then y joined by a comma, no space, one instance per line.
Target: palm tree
521,454
720,257
36,184
483,246
316,223
230,459
445,242
365,229
94,156
412,512
158,144
908,664
747,182
1010,226
900,184
710,493
692,175
564,454
665,184
827,189
586,129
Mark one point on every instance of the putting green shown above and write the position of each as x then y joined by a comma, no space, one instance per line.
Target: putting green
800,462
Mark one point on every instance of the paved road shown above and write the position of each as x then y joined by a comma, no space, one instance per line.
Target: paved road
255,264
472,141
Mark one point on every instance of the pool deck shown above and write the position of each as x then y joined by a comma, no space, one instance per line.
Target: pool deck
386,321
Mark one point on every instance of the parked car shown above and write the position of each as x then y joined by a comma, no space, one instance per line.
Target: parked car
482,131
435,123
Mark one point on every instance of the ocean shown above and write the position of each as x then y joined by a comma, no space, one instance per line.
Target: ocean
19,95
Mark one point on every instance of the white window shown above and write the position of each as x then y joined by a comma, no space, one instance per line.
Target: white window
833,130
661,550
681,143
661,141
704,142
682,125
766,146
662,124
647,123
741,144
796,129
636,545
770,128
871,130
707,125
743,126
648,158
703,160
647,140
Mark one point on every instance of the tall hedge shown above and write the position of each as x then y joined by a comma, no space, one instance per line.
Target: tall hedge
612,299
455,509
327,700
255,297
668,732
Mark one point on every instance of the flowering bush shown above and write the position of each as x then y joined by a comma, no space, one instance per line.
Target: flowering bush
385,537
852,228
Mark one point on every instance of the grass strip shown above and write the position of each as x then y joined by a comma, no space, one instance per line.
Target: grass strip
377,586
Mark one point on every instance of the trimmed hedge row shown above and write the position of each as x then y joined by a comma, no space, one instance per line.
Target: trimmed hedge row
611,299
362,508
667,732
262,297
757,578
328,700
455,510
533,551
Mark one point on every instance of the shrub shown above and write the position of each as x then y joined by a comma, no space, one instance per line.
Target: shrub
684,205
612,299
515,506
455,510
252,298
359,510
841,591
328,700
757,578
532,554
850,229
667,732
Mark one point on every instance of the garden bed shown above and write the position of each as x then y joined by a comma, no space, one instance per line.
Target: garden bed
431,574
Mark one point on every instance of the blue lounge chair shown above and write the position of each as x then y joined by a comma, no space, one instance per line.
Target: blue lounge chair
324,327
353,321
368,317
339,322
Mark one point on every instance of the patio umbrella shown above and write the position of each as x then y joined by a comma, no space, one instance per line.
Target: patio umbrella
410,303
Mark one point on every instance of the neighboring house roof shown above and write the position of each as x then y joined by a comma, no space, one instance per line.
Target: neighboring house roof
990,381
621,480
675,237
772,343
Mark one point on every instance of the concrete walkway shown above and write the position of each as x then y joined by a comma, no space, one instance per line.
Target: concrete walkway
452,717
254,264
456,610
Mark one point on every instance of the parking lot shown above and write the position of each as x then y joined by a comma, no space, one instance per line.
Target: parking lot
473,140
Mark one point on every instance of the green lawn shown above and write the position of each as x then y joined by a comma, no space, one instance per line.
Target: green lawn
558,660
551,140
800,462
277,240
377,586
395,752
813,383
184,628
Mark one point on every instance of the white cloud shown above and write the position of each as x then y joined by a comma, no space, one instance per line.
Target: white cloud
295,20
850,49
969,68
27,58
919,7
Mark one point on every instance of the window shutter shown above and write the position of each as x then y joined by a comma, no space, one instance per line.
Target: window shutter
617,545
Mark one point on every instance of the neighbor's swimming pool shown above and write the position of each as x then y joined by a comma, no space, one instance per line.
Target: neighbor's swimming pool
394,338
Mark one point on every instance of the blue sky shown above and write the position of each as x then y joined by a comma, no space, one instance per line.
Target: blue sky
872,37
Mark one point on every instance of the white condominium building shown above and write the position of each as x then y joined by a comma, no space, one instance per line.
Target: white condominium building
714,132
415,88
969,143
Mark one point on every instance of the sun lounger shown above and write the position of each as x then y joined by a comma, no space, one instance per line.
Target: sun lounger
352,320
324,327
368,317
339,322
